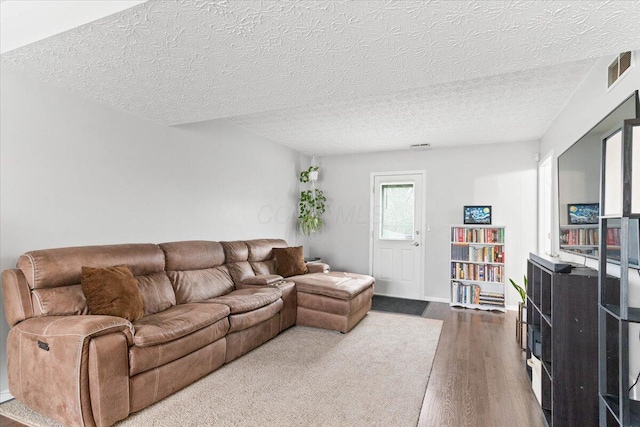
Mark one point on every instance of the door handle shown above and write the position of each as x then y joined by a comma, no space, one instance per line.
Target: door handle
415,244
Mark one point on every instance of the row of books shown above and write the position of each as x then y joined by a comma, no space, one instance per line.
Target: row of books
477,235
473,294
477,253
579,236
613,237
477,272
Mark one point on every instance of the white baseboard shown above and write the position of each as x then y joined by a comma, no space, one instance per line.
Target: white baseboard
5,395
437,299
434,299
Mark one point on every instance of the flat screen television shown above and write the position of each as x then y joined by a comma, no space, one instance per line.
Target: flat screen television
579,188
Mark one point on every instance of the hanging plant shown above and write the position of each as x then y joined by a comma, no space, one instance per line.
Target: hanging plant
311,204
304,175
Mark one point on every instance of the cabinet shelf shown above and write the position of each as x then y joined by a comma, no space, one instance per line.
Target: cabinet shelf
618,238
547,369
546,318
562,312
611,403
614,310
578,226
478,282
486,307
475,244
476,262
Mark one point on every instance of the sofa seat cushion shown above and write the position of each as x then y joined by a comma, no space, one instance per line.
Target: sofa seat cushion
335,284
243,300
142,359
176,322
241,321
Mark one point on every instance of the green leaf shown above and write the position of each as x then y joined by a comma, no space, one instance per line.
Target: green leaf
522,291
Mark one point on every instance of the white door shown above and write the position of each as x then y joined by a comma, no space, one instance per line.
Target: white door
397,235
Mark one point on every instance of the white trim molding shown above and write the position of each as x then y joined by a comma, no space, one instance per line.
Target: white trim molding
5,396
423,225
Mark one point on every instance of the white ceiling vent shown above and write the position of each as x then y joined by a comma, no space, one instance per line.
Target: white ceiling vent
618,67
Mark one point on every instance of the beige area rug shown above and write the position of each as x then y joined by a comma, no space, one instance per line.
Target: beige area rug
376,375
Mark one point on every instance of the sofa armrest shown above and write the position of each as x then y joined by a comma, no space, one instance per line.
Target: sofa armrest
49,363
262,280
318,267
17,296
84,327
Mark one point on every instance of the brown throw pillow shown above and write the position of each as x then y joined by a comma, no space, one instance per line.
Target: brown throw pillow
290,261
112,291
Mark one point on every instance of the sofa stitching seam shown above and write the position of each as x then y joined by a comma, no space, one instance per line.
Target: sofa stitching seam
37,295
155,391
20,358
33,269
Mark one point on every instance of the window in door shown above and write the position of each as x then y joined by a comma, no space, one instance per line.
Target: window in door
397,212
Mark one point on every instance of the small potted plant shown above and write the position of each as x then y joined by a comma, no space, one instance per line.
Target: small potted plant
521,323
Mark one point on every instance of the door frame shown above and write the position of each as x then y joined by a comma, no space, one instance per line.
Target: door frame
423,224
553,208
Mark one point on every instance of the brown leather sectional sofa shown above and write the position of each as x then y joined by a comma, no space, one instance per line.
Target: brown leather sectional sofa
205,304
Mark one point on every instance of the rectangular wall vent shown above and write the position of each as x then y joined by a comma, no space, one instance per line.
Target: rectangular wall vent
618,67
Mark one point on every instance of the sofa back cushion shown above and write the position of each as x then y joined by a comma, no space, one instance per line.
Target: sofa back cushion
54,275
196,270
261,256
50,268
237,256
157,292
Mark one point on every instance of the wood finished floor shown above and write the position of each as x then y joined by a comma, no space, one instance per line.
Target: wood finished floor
478,377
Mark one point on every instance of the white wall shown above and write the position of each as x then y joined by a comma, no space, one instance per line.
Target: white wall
74,172
500,175
591,102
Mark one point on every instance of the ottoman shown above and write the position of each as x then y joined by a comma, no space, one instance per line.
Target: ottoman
336,300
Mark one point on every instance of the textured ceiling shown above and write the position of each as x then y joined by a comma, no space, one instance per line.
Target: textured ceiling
504,108
178,61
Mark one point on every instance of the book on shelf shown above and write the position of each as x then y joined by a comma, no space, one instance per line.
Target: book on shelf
477,253
579,236
613,237
477,235
463,293
477,272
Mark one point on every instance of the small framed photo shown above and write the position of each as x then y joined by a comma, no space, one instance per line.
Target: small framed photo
477,214
583,213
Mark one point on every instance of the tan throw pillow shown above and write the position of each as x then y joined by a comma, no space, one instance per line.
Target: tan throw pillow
112,291
290,261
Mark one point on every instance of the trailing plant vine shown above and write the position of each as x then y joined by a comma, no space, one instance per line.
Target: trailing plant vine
311,206
304,175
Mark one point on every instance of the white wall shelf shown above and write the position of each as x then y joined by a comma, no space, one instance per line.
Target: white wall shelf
477,273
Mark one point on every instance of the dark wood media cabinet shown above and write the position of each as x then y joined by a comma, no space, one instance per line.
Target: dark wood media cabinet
562,315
